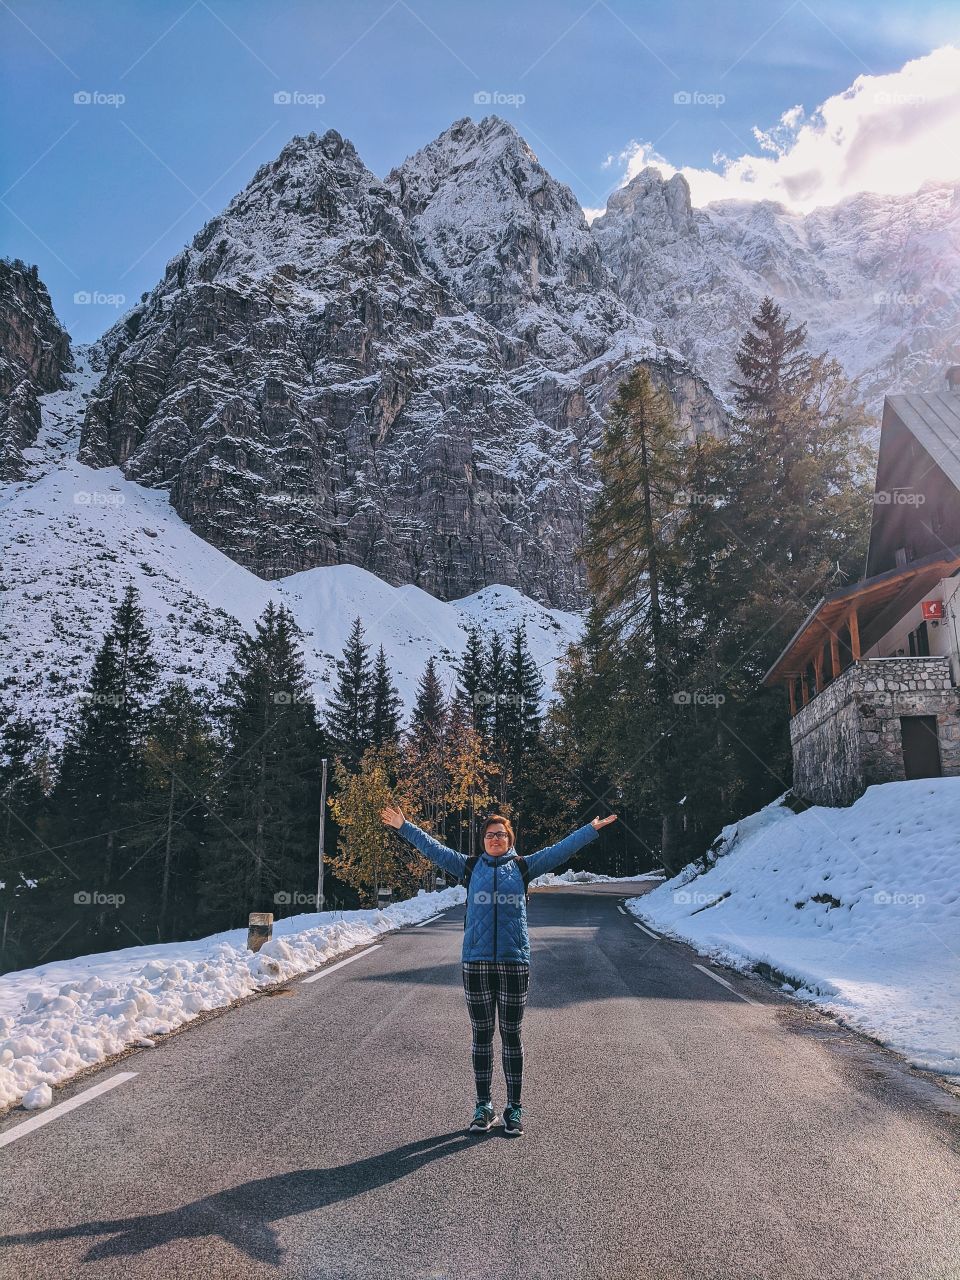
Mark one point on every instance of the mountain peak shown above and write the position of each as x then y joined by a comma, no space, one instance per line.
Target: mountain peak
650,195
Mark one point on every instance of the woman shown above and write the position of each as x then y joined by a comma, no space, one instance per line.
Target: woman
496,949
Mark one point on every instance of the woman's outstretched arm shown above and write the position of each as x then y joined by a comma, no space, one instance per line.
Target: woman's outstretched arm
546,859
447,859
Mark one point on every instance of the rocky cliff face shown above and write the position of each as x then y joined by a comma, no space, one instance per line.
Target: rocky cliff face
512,244
876,278
34,356
312,390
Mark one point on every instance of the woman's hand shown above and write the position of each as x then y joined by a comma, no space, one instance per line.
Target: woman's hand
597,823
392,817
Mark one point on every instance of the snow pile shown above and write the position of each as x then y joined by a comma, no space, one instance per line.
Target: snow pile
585,877
858,909
73,538
59,1018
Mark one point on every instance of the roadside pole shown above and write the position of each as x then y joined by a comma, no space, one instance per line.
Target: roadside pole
323,820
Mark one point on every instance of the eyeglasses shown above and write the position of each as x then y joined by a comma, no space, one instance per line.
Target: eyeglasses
496,835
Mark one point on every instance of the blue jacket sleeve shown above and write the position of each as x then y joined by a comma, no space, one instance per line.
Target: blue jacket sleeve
546,859
448,859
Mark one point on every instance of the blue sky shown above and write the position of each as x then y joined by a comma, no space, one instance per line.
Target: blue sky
101,194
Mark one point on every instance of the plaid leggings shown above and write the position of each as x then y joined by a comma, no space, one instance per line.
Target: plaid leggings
492,987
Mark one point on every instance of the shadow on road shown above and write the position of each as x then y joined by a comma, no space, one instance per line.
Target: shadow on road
244,1216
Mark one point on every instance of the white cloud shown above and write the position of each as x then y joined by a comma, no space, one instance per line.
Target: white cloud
887,134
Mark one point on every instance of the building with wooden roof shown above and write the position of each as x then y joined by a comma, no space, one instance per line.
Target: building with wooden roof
872,673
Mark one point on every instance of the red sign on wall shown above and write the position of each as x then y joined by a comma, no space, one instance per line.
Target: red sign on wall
932,609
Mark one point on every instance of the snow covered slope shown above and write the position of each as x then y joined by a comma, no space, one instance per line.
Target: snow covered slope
876,278
72,536
857,908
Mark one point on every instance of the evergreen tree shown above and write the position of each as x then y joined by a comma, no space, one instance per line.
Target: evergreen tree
350,711
386,706
634,575
28,870
472,690
99,795
426,748
796,473
496,719
182,758
429,717
521,716
628,545
264,834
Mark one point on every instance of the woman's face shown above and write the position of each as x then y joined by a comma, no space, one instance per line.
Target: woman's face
496,839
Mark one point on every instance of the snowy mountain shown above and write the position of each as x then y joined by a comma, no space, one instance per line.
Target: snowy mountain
512,244
876,278
310,393
34,356
72,536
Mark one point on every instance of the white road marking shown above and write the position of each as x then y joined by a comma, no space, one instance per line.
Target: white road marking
621,910
340,963
62,1108
724,983
648,932
429,920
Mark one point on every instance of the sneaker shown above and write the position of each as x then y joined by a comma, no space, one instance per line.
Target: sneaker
484,1118
511,1120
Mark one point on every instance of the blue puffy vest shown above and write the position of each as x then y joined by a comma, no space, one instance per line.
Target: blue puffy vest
496,923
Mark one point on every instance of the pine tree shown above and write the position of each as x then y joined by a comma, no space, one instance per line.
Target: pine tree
385,707
426,749
640,465
99,794
521,716
496,721
350,711
472,690
633,572
798,468
429,716
266,816
28,870
773,363
182,758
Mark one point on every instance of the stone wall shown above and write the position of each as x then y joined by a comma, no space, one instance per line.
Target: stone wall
848,737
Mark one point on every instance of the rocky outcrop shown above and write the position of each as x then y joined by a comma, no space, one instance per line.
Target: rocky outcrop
34,356
312,391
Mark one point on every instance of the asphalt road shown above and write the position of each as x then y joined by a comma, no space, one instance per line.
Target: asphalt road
674,1131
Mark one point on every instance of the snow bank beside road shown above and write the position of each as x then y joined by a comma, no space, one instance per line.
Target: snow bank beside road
587,877
858,908
58,1018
